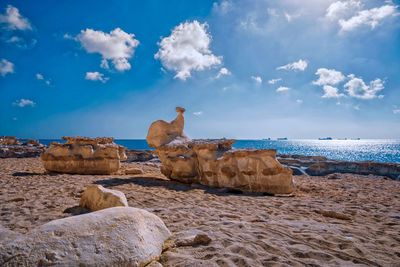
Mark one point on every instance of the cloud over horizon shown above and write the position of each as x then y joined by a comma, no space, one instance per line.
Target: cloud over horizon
116,46
187,49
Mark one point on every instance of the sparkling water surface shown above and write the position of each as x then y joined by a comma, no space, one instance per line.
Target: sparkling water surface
381,150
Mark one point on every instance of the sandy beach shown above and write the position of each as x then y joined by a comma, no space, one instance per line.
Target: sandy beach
246,229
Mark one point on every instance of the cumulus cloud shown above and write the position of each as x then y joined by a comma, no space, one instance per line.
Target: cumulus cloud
331,92
357,88
198,113
299,65
40,77
187,49
257,79
116,46
96,76
24,102
300,101
274,81
223,71
282,89
341,9
396,111
371,17
327,76
13,20
6,67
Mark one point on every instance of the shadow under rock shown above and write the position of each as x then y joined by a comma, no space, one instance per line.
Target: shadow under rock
76,210
173,185
26,173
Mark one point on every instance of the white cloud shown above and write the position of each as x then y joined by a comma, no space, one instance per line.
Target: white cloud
357,88
341,9
257,79
396,111
282,89
357,107
223,7
13,19
327,76
274,81
24,102
198,113
187,49
300,101
116,46
370,17
299,65
223,71
290,17
331,92
6,67
96,76
40,77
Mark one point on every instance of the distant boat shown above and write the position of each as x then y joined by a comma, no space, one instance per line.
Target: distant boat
281,138
266,139
325,138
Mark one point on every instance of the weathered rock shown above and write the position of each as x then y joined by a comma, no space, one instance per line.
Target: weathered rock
214,163
96,197
134,155
83,155
320,166
12,147
191,238
162,132
118,236
133,171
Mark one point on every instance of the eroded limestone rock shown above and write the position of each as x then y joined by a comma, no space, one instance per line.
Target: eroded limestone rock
96,197
119,236
12,147
162,132
83,155
215,163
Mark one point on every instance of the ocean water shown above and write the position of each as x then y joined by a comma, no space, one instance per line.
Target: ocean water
380,150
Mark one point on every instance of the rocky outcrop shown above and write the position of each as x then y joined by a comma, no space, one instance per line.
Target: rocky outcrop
83,155
118,236
215,163
320,166
162,132
96,197
134,155
12,147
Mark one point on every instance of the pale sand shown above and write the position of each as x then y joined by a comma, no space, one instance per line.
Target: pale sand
246,229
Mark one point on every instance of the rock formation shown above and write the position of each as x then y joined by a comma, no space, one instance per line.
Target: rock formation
215,163
162,132
83,155
12,147
118,236
320,166
96,197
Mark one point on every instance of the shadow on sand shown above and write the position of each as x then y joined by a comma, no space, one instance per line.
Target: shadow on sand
173,185
26,173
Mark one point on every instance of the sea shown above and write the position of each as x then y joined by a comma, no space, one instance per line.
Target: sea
379,150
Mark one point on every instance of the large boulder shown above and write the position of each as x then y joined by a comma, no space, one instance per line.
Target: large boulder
96,197
118,236
83,155
215,163
162,132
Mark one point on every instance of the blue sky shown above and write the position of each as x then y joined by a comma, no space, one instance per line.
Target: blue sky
242,69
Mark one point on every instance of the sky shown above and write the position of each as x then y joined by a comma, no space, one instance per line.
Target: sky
245,69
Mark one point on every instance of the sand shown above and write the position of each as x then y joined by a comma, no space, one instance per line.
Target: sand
246,229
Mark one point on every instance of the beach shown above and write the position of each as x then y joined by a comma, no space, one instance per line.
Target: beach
245,229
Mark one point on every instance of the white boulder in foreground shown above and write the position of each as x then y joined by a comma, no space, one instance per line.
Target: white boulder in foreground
96,197
120,236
